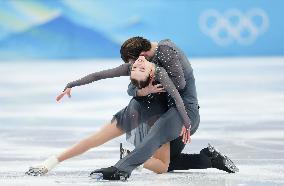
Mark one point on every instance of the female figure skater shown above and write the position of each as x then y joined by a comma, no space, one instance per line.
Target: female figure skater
113,129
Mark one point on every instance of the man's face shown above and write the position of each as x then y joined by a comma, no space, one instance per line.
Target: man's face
146,55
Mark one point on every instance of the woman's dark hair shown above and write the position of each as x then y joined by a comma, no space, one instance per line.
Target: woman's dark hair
141,83
132,48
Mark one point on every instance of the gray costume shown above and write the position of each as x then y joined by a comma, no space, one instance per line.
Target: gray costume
168,126
153,120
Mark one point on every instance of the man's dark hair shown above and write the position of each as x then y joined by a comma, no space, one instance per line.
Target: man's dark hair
132,48
141,83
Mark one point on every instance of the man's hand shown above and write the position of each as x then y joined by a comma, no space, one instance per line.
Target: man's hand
151,89
185,133
61,95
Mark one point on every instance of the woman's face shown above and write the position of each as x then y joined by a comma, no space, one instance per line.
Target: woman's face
141,69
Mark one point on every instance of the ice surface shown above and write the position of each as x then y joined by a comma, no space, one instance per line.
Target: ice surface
242,115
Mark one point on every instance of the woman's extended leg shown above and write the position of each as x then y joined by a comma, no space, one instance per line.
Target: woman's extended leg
160,161
106,133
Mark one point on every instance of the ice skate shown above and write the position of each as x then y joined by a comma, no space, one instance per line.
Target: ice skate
221,161
44,168
110,173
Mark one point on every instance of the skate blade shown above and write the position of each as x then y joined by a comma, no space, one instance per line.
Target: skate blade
123,178
100,177
97,176
35,171
230,165
123,152
120,150
211,148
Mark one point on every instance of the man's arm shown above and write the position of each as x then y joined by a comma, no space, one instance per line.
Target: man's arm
135,92
169,86
170,61
132,90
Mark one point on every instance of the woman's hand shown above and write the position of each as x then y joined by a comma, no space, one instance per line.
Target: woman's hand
185,133
67,91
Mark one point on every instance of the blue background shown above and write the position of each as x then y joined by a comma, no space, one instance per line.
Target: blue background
95,29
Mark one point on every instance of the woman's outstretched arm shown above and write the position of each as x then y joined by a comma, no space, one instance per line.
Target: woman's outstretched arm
122,70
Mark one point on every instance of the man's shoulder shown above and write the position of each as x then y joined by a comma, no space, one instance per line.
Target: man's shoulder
165,42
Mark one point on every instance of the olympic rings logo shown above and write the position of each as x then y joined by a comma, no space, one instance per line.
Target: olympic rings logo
233,25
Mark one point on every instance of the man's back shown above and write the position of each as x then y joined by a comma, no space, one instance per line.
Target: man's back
188,93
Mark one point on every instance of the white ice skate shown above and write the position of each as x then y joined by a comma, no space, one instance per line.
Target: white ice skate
44,168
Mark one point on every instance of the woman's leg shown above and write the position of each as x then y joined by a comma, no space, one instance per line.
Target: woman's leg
106,133
160,161
169,157
165,129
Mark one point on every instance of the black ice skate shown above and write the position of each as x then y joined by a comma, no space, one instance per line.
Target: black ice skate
221,161
110,173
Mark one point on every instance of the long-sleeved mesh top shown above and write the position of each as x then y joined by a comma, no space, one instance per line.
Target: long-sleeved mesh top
161,76
179,69
122,70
